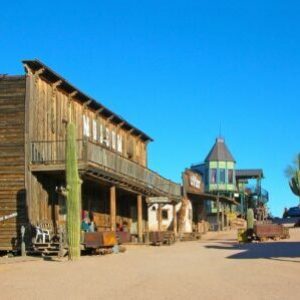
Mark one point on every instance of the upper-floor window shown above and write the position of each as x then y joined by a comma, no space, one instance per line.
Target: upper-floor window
86,126
119,143
107,137
95,131
113,140
213,176
222,177
230,176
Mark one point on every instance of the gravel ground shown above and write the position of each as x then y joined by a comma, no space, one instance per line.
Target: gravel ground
214,268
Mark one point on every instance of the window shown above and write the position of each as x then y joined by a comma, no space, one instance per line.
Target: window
119,144
86,126
107,137
95,130
130,148
222,176
113,140
165,214
100,133
213,176
230,176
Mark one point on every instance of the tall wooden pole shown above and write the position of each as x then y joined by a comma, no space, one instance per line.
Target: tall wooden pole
147,223
227,217
174,219
113,208
218,212
223,216
140,217
159,217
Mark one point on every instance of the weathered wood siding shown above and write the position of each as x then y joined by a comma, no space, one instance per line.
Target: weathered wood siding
12,158
44,200
49,113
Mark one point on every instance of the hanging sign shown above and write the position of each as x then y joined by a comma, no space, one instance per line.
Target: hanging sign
3,218
193,182
153,200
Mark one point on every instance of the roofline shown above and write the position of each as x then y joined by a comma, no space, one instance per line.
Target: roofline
52,76
250,176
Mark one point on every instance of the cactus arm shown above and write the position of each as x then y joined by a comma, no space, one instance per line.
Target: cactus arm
295,184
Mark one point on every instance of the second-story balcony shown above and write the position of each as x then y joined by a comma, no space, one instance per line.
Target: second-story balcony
99,162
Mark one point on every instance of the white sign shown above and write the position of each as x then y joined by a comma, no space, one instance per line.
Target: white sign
3,218
195,182
158,200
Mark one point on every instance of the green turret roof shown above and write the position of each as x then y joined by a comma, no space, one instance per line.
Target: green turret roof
219,152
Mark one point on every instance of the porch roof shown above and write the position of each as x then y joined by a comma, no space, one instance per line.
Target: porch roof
212,197
249,174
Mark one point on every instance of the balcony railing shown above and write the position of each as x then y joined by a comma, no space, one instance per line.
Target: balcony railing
53,153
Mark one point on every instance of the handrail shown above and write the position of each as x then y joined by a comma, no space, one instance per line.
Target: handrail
53,152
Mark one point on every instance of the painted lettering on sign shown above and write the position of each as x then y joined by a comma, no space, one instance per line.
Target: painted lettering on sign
195,182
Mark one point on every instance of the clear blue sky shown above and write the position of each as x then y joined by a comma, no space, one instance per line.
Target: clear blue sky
177,70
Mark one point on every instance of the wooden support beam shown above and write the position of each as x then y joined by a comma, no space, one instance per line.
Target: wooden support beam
99,111
85,104
39,72
218,212
110,118
140,217
174,219
147,222
73,94
227,216
120,124
113,208
222,216
56,84
159,216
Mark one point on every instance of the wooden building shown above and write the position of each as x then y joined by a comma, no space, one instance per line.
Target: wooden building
112,158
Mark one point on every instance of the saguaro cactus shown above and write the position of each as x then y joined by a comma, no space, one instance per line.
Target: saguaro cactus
294,174
295,184
73,194
250,218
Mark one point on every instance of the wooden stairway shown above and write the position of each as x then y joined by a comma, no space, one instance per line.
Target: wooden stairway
45,249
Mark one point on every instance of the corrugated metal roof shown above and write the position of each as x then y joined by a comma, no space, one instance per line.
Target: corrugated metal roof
249,173
219,152
52,76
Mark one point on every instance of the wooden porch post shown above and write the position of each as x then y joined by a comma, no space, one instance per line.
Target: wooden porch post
113,208
159,217
227,217
223,215
174,219
140,217
147,223
218,212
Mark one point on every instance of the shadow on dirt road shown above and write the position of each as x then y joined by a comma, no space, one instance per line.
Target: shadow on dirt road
270,250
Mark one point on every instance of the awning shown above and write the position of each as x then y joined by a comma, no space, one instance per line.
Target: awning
212,197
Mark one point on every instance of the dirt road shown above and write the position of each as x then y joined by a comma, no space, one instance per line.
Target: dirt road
215,268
